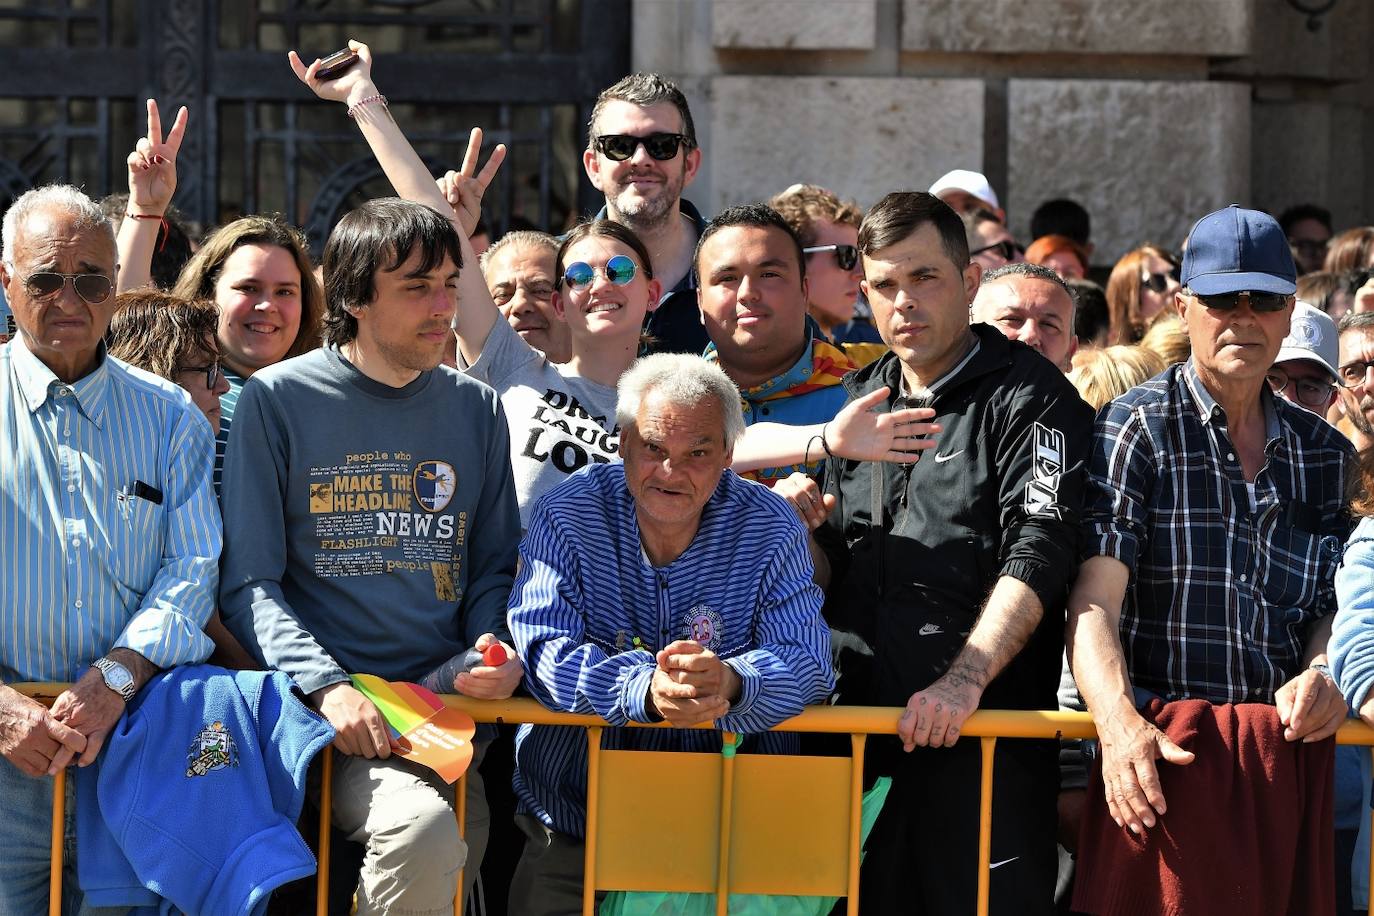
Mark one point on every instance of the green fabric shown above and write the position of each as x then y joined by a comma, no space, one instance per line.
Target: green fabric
658,903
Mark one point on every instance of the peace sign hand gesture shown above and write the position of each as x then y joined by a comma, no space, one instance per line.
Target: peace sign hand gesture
464,190
153,164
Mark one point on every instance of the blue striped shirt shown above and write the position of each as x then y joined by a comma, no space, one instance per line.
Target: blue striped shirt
86,566
589,612
227,402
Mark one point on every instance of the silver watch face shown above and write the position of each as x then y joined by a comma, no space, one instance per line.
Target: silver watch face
117,677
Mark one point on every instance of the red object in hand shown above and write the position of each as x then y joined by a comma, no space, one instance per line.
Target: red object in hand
493,656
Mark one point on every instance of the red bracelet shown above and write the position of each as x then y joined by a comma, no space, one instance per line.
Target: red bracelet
353,109
162,226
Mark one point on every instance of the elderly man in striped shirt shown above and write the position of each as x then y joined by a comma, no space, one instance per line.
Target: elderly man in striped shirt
663,588
109,532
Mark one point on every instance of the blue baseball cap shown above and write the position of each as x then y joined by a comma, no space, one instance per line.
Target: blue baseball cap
1236,249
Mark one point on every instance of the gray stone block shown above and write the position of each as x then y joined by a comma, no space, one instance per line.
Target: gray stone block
1147,159
794,24
860,137
1174,27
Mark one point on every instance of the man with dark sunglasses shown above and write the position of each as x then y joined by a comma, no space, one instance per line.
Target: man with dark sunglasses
1214,524
990,245
642,153
110,538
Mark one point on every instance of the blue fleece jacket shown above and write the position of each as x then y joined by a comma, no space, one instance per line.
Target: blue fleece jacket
1351,652
199,787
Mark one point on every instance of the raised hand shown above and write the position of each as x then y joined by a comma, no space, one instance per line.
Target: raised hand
858,433
464,188
351,86
153,164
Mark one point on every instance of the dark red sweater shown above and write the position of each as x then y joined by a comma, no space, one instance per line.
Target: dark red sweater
1248,829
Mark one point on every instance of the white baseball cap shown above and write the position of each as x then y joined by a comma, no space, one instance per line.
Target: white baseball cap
1311,336
975,183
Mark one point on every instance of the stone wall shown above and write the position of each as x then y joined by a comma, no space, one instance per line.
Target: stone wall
1149,112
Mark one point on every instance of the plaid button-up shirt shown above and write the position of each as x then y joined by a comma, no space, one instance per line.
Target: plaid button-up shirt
1224,587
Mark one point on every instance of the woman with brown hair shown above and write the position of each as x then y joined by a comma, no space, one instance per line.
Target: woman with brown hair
173,338
256,270
1352,250
1141,285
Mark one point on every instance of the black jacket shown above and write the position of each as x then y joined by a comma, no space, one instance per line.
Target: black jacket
1000,495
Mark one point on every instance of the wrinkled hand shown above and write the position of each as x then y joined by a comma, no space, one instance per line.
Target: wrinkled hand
464,188
1130,746
93,710
30,738
351,86
806,498
153,164
360,730
693,665
490,683
1310,707
678,704
934,716
862,435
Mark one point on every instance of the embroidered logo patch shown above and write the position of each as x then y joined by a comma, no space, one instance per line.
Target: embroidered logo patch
212,749
434,484
704,626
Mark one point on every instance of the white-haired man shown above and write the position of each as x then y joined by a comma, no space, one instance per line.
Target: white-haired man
108,521
663,588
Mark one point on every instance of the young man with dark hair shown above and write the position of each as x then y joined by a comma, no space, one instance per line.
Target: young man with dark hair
642,153
375,526
753,293
954,570
1308,230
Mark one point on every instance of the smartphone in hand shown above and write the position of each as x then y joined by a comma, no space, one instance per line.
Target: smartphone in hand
336,63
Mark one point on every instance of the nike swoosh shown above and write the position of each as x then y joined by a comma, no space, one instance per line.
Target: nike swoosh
1003,862
940,459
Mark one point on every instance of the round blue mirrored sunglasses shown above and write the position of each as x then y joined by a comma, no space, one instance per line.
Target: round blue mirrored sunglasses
619,270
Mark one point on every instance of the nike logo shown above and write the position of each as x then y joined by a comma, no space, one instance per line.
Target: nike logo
941,459
929,629
1003,862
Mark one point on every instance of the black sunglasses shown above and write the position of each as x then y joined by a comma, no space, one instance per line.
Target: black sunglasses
94,288
1157,283
846,256
619,147
1259,302
1006,248
212,373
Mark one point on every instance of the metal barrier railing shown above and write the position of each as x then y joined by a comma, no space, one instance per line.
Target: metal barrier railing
856,721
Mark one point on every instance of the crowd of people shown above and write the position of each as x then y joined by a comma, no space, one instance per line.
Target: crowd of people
685,470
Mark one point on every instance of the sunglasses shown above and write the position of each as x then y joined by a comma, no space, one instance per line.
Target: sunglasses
94,288
1308,247
846,256
1006,248
619,270
212,374
619,147
1259,302
1310,393
1157,283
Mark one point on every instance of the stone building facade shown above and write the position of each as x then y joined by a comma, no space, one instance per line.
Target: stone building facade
1149,112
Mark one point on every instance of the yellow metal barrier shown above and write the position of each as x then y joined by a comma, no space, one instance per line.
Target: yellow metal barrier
856,721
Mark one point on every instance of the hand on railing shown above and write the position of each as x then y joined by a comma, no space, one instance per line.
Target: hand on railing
934,716
31,739
490,682
465,188
360,730
691,684
1310,706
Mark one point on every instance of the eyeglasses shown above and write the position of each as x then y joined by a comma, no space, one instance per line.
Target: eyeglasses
619,147
94,288
619,270
846,256
1353,373
1006,248
1259,302
1308,248
212,374
1310,392
1157,283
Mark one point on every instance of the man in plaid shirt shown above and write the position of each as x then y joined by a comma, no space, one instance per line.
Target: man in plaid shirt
1213,527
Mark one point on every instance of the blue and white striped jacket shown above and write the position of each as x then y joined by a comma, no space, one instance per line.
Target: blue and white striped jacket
589,611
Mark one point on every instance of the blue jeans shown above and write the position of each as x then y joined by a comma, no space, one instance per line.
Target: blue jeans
26,810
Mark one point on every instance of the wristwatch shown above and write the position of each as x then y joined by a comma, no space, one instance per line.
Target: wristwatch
1324,671
117,677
